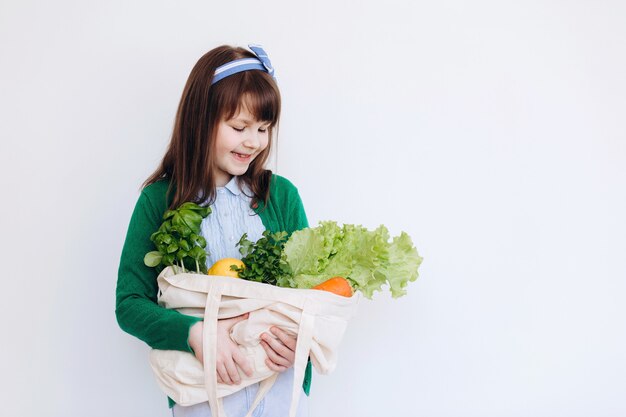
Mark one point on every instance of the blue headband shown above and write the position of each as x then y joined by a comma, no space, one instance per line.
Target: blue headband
262,62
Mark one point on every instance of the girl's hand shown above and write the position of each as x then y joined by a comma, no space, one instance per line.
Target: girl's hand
229,357
280,352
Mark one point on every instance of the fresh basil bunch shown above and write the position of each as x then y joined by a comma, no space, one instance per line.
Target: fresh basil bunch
178,240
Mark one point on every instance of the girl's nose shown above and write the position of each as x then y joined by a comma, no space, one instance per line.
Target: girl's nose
253,140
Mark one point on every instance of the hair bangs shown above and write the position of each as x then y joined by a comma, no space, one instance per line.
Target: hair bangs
256,91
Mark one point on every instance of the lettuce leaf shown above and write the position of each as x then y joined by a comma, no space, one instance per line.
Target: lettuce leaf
403,264
309,250
366,258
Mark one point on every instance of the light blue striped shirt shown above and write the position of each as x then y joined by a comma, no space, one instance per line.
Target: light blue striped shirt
230,218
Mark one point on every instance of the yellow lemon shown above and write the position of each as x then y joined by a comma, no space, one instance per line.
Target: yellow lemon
222,267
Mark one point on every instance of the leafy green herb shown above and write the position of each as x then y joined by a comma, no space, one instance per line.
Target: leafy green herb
178,240
263,259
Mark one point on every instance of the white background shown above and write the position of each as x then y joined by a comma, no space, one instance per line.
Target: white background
493,132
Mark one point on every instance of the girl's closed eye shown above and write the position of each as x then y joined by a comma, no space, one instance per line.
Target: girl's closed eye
261,129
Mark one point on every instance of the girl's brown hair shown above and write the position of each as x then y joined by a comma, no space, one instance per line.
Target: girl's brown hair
189,161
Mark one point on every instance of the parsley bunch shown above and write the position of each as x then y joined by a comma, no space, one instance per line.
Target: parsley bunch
263,260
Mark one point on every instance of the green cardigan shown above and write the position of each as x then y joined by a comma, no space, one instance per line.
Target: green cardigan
136,307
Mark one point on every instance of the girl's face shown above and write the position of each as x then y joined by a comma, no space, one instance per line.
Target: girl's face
238,141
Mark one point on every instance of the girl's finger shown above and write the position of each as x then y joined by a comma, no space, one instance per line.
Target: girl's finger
274,357
223,374
242,362
278,346
287,339
274,367
231,368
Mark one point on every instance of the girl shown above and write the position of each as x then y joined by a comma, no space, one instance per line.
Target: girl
222,137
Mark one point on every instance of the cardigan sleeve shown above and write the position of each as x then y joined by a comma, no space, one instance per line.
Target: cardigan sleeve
288,205
136,309
297,217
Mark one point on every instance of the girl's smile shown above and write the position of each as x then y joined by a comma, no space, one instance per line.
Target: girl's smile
243,158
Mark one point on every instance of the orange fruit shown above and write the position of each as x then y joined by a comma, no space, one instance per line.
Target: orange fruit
222,267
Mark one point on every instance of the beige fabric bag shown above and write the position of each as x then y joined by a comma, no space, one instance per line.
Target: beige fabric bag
319,318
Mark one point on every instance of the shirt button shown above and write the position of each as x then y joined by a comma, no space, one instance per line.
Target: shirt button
232,238
220,191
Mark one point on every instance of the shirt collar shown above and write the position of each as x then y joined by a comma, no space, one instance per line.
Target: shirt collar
233,186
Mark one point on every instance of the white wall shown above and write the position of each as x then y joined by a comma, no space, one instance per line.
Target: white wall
491,131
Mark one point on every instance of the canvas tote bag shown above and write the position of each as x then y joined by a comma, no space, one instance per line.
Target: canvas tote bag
318,318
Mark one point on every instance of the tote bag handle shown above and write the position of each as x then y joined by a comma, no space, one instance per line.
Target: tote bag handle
209,349
303,347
